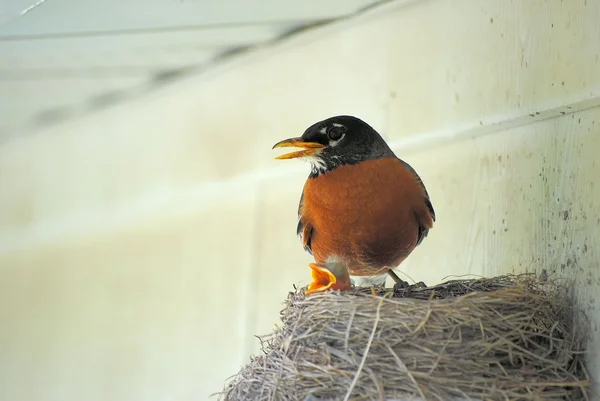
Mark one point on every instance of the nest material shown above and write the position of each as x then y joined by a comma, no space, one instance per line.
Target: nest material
505,338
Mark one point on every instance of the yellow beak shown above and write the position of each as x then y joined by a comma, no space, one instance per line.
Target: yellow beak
310,148
323,279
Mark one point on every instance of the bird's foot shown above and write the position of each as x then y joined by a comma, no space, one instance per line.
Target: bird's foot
401,286
406,288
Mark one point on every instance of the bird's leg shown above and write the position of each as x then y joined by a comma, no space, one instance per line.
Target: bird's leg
399,282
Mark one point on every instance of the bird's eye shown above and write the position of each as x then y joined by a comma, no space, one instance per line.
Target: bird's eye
335,133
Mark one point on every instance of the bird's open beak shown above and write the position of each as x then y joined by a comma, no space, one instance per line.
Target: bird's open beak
323,279
310,148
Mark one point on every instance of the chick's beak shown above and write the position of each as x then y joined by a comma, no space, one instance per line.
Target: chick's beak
323,279
310,148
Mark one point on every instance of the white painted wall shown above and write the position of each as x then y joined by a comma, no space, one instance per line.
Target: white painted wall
142,246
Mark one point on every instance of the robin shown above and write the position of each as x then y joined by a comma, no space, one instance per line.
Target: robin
362,207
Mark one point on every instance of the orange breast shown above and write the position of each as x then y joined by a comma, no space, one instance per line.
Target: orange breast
364,214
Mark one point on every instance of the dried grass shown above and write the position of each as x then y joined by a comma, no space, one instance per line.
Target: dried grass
505,338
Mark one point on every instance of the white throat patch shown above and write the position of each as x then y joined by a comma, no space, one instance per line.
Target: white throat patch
317,164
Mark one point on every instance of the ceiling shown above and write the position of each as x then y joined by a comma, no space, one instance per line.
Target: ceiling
60,57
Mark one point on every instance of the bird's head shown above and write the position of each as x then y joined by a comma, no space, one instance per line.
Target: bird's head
329,276
334,142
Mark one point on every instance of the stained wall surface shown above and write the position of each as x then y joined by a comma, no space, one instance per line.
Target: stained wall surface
144,245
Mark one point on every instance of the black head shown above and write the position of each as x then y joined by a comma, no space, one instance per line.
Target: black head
337,141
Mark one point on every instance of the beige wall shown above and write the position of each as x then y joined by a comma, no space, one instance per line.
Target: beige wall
142,246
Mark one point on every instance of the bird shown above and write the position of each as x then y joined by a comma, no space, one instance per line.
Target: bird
361,205
329,276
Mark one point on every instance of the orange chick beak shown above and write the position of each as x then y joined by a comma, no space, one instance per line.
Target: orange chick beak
324,279
310,148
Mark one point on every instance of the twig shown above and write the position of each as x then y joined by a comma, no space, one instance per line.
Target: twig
366,352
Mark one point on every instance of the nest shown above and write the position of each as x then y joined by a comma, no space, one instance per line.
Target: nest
505,338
